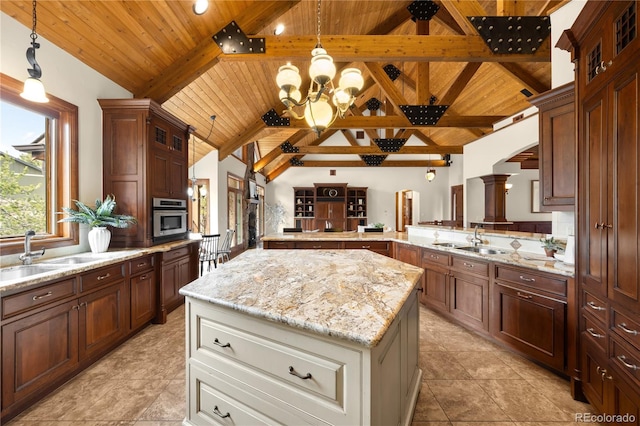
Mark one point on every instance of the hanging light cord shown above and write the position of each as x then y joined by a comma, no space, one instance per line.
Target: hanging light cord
318,28
34,36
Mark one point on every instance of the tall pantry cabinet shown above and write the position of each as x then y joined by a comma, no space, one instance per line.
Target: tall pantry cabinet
605,45
145,152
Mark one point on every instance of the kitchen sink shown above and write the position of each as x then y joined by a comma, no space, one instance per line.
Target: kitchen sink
78,260
451,245
481,250
24,271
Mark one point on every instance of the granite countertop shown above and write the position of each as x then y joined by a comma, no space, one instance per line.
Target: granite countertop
511,256
347,294
97,260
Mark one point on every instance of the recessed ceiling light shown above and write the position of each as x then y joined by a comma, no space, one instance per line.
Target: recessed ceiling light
279,29
200,6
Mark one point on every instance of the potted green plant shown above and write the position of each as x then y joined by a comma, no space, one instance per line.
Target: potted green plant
550,245
98,218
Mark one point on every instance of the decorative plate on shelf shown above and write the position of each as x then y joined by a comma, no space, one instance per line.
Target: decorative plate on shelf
333,192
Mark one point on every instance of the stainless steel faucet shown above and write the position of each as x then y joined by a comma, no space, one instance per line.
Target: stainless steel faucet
28,255
476,241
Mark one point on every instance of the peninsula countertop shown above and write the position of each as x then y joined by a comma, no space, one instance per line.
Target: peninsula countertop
346,294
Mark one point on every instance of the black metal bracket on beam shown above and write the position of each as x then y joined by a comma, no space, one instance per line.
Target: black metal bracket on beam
512,34
390,144
424,115
373,160
423,10
287,148
296,162
392,71
272,119
231,39
373,104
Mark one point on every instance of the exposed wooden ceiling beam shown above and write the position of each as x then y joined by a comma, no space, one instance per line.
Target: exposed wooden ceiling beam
394,21
510,7
370,150
401,122
516,72
444,18
460,83
459,10
381,48
386,163
349,137
276,152
246,136
205,55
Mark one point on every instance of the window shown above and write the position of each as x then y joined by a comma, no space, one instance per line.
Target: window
39,174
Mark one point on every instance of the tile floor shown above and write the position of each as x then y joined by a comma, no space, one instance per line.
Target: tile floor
467,381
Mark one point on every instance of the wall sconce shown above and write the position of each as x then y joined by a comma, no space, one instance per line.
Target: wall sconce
430,175
507,187
33,87
200,6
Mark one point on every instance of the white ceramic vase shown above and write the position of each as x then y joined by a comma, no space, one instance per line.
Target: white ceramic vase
99,238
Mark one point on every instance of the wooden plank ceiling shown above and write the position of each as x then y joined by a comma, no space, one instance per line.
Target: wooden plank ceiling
160,49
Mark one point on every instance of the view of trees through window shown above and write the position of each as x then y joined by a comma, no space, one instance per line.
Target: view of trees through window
24,146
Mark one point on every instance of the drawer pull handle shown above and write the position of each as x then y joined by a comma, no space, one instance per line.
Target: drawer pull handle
624,328
219,343
141,264
218,413
293,372
435,256
366,247
529,280
595,307
592,332
143,277
525,296
102,277
42,296
622,359
319,246
468,265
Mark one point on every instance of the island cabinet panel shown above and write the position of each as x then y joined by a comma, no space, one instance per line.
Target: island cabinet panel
294,376
528,318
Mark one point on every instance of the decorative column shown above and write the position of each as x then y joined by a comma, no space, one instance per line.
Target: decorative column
494,198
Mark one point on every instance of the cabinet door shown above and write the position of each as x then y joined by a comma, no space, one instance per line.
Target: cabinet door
103,319
408,254
143,299
169,284
38,350
168,175
622,227
593,377
469,299
436,288
531,323
557,151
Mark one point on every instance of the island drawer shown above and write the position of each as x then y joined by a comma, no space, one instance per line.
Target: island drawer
288,364
214,395
434,256
367,245
319,244
30,299
142,264
522,276
101,277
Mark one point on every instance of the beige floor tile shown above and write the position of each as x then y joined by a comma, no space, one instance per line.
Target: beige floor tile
441,365
522,402
525,368
427,408
464,341
484,365
430,423
557,390
483,424
465,400
170,404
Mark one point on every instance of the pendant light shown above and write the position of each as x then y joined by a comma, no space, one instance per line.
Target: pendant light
33,87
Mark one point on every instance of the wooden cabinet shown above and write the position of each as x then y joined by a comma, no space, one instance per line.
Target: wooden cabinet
557,148
604,41
304,202
329,205
529,311
356,207
178,267
330,214
142,291
469,291
381,247
436,279
144,156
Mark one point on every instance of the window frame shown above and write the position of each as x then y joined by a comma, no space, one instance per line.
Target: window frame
66,160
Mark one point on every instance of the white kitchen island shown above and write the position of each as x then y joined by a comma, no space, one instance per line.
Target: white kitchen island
303,337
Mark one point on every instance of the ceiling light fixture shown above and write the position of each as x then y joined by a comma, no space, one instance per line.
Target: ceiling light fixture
318,112
430,175
33,87
200,6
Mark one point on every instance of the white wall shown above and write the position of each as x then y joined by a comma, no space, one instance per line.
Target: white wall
562,70
69,79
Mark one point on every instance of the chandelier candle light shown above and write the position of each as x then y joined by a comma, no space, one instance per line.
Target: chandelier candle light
318,112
